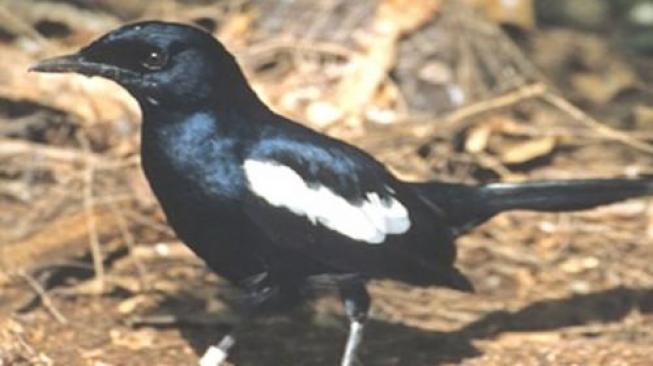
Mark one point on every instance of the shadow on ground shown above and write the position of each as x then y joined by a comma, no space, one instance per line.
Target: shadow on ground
297,340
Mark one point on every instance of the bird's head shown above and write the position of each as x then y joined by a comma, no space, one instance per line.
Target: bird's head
159,63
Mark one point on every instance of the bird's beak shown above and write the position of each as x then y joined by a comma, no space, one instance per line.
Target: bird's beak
77,63
67,63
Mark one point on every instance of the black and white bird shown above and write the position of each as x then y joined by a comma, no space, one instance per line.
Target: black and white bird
270,205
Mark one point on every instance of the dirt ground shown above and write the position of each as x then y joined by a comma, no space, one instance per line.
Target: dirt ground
91,275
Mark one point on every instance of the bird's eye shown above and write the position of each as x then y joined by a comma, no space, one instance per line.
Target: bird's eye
154,60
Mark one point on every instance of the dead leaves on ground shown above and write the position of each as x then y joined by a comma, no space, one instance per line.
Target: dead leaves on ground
504,137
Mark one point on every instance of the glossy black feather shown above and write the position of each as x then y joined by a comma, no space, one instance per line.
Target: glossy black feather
468,206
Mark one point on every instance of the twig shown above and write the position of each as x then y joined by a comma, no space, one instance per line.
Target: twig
91,219
36,358
299,45
9,148
128,238
149,222
454,120
535,90
490,162
529,91
45,299
167,320
599,127
12,147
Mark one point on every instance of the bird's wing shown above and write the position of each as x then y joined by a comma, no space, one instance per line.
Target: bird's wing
334,187
332,203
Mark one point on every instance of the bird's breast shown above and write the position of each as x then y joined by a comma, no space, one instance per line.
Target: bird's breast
198,182
192,159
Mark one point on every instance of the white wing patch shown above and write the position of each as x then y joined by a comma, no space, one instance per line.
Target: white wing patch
369,221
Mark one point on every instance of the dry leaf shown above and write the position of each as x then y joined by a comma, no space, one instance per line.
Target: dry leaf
513,338
643,116
369,69
601,86
381,115
321,114
477,138
437,72
237,27
527,151
405,15
520,13
133,340
578,265
129,305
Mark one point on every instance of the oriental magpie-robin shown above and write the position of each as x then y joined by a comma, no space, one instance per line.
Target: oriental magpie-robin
270,204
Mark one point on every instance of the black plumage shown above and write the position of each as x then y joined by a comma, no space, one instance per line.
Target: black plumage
270,204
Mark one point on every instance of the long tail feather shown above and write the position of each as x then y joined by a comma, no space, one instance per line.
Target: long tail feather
467,206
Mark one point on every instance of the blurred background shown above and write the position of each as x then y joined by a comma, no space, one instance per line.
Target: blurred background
458,90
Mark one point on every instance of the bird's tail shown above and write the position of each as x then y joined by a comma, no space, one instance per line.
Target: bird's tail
467,206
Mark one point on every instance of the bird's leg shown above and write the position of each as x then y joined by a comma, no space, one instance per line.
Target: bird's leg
258,295
217,354
357,304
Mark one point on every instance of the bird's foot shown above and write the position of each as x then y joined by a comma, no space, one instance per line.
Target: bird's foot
354,361
216,355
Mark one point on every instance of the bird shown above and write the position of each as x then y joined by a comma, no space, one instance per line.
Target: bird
272,205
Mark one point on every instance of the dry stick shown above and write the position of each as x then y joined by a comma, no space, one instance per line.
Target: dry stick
490,162
149,222
13,147
454,120
313,28
36,358
599,127
9,148
45,299
299,45
535,90
129,242
526,92
91,219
